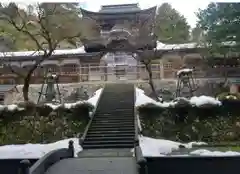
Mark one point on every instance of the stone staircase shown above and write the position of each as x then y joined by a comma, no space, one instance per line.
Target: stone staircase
113,124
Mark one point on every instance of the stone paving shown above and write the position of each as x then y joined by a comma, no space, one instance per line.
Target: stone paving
103,165
106,153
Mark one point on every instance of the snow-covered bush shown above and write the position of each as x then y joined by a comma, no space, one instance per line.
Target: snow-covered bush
42,123
40,129
228,96
38,123
201,118
11,112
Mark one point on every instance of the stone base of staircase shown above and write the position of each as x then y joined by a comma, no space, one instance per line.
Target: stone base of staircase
126,152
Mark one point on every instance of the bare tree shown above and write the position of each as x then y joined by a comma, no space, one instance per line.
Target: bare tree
46,25
146,57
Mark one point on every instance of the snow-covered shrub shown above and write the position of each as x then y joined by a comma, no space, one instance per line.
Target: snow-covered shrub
192,127
40,129
228,96
230,102
79,110
201,118
42,123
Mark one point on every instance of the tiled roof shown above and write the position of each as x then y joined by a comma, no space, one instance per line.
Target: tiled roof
119,8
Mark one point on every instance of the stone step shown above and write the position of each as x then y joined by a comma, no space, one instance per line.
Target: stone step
110,138
113,122
113,128
111,132
110,135
113,118
106,146
114,114
107,141
110,125
126,152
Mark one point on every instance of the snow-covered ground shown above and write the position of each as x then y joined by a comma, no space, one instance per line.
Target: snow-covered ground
35,151
161,147
150,147
204,152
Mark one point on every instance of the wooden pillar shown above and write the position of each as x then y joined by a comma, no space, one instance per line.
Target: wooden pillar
89,72
79,71
161,69
138,72
105,71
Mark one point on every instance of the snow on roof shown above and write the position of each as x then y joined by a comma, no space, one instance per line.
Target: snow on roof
143,100
185,70
38,53
190,45
162,46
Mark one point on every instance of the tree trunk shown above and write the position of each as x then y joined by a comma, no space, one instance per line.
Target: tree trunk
26,84
225,84
27,81
150,80
28,77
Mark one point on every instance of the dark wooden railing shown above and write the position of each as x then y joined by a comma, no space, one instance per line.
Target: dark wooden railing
193,165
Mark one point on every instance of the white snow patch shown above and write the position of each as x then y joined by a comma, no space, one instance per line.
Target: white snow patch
142,99
162,46
190,45
11,107
35,151
37,53
204,152
202,100
185,70
93,101
139,123
159,147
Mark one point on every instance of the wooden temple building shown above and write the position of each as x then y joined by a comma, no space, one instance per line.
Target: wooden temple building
126,37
